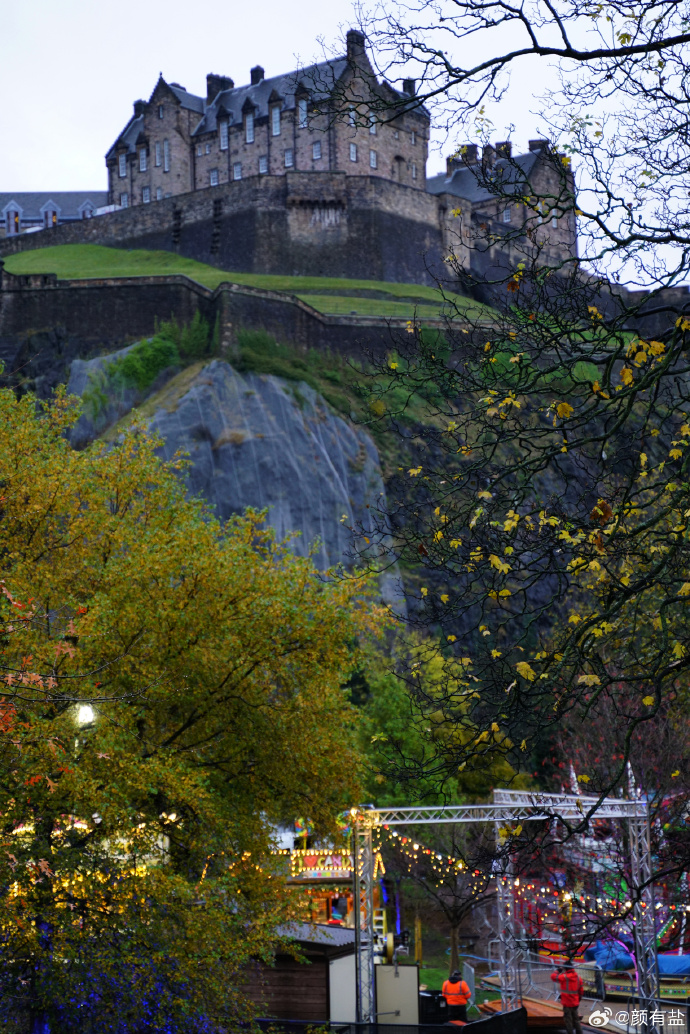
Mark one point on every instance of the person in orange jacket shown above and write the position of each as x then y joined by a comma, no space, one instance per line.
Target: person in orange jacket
457,995
572,990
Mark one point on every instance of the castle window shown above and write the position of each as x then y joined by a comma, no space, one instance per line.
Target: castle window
351,117
263,164
122,163
413,138
249,127
289,159
275,121
213,177
166,156
223,136
414,171
554,221
158,153
50,218
373,160
124,200
506,214
316,150
208,148
396,134
86,212
13,223
146,195
159,193
161,111
372,124
302,113
199,150
167,194
353,152
142,160
237,171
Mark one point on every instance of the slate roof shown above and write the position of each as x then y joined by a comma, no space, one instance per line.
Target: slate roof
319,81
188,100
129,135
464,183
67,202
337,937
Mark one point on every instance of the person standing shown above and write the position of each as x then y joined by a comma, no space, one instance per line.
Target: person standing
457,995
572,990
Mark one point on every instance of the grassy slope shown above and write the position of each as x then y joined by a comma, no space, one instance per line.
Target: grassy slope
327,294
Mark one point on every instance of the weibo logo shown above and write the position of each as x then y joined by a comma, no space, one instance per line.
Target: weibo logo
600,1017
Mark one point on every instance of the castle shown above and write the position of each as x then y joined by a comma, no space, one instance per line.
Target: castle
321,172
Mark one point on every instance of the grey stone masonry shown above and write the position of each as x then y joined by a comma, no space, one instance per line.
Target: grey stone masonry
333,116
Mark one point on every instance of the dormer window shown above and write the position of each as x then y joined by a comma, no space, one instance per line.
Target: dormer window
249,126
50,218
12,222
302,113
223,136
122,165
275,121
142,160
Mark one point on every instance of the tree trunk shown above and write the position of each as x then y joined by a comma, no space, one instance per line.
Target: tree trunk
454,960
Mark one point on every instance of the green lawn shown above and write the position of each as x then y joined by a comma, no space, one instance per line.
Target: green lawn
327,294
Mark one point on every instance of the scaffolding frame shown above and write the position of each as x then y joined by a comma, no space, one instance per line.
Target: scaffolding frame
508,806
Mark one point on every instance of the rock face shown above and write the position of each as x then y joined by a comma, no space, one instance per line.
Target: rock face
261,441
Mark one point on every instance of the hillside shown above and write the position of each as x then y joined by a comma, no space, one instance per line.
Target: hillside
326,294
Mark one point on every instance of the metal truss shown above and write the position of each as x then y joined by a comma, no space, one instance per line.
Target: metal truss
365,976
508,806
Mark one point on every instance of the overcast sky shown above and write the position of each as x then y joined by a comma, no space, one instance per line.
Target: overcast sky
70,70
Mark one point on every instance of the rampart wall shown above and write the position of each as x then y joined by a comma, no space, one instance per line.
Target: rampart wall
45,323
305,224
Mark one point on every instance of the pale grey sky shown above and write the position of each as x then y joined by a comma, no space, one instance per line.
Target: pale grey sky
70,70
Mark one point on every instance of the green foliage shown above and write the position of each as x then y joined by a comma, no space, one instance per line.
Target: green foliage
130,834
144,361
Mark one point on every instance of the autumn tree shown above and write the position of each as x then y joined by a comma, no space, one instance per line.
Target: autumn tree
175,691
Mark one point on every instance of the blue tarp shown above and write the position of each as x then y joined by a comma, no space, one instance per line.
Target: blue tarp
674,965
610,956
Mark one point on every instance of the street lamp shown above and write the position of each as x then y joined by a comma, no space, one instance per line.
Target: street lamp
85,715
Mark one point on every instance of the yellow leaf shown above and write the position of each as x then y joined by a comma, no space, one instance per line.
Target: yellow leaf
590,680
526,671
495,653
484,495
583,779
627,376
455,543
676,454
424,592
517,831
495,727
684,589
675,774
438,535
499,564
648,701
564,410
451,638
413,471
444,598
523,745
378,407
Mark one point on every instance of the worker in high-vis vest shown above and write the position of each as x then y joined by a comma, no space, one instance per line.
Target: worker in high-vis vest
457,995
572,990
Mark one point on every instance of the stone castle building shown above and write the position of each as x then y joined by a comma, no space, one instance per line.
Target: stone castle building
330,117
318,172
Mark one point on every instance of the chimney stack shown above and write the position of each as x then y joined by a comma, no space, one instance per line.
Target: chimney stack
139,108
215,84
464,156
488,156
257,74
409,87
504,149
538,145
355,45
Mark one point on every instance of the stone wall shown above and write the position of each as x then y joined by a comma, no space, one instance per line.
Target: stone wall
46,323
310,224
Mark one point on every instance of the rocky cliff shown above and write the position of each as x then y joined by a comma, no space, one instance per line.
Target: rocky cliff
255,440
